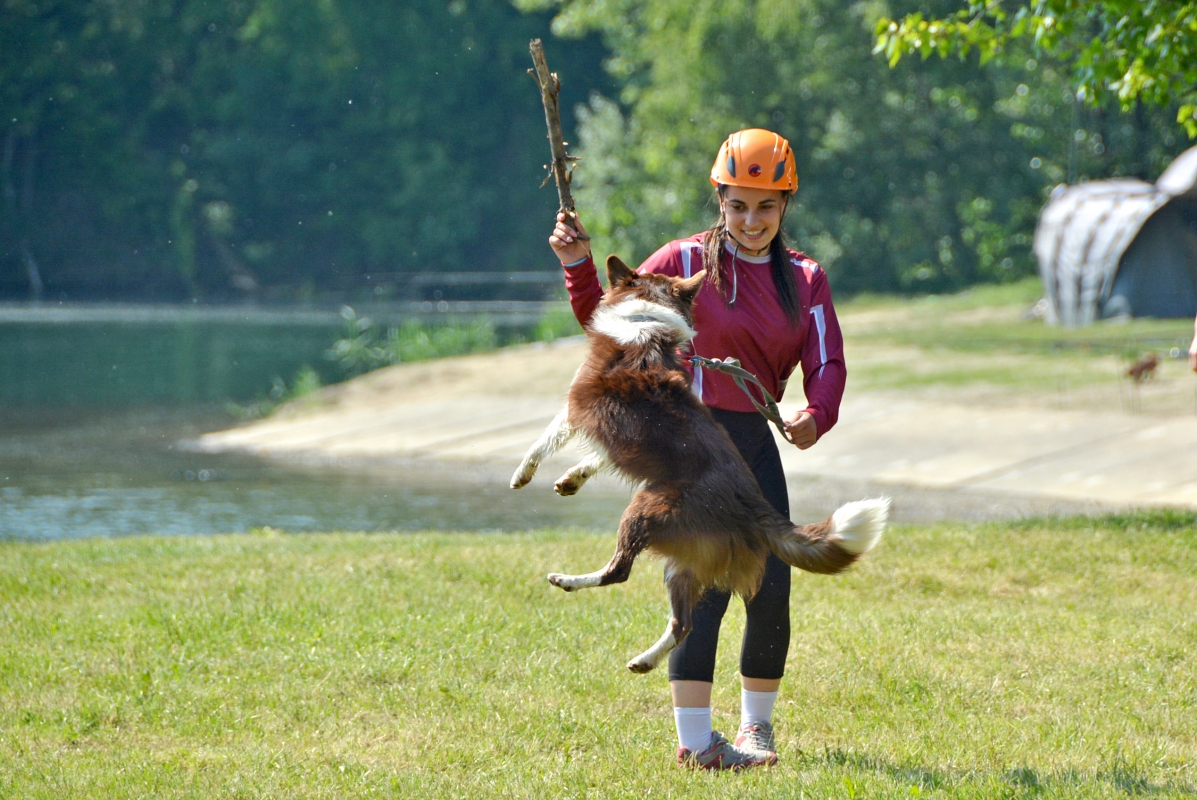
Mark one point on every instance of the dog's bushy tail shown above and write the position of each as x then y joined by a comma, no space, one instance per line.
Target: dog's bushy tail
832,545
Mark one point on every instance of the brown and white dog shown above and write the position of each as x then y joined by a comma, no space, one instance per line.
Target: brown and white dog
699,506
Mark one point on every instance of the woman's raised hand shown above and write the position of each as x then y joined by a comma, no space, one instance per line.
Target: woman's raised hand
569,239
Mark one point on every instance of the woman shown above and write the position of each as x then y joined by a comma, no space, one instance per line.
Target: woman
1193,348
771,308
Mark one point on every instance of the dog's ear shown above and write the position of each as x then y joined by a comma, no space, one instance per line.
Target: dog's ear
618,273
687,288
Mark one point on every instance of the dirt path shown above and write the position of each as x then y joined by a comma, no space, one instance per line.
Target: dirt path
941,456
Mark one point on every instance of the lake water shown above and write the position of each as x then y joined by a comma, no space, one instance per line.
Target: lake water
95,414
119,356
125,473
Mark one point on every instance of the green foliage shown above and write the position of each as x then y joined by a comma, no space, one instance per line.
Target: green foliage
359,350
413,341
1133,49
556,324
365,348
920,178
305,383
183,149
197,149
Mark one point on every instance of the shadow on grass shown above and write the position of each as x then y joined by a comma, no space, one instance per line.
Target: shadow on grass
1015,782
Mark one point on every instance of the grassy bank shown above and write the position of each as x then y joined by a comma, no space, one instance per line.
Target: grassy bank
985,345
1053,659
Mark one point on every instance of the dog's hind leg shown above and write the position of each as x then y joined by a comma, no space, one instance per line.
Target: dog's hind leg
683,595
553,439
617,571
579,473
633,538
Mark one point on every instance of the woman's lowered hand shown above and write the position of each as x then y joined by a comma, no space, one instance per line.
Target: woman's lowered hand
802,430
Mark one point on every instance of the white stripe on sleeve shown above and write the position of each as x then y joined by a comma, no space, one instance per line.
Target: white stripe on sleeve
821,327
688,249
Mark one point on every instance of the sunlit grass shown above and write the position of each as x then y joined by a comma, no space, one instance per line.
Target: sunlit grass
987,338
1040,659
1021,293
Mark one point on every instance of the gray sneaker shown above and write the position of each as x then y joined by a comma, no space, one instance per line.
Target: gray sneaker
722,754
757,737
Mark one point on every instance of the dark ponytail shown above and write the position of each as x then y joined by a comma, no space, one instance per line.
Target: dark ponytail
783,276
714,244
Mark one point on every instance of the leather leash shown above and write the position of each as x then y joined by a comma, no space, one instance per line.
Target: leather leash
731,366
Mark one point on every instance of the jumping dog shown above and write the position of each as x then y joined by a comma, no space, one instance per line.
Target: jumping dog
699,506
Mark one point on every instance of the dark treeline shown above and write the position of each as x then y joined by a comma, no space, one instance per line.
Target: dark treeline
196,148
281,149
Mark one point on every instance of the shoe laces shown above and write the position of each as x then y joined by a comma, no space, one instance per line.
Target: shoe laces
757,736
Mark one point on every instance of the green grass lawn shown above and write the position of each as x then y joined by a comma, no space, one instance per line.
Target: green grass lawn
1040,659
988,318
984,339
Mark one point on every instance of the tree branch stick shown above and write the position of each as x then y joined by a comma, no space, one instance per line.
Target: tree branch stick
550,86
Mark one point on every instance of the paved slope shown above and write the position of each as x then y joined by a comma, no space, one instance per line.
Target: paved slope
948,458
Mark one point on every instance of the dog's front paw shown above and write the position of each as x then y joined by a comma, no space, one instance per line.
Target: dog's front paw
641,665
567,486
522,478
558,580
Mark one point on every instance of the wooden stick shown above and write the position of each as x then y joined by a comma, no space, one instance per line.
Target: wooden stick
560,169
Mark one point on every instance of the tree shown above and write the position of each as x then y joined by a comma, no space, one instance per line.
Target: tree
183,148
39,74
1135,49
917,178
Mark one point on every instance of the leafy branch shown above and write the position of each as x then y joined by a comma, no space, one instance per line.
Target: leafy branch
1139,50
366,347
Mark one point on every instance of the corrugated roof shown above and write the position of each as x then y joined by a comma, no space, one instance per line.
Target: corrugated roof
1180,178
1084,230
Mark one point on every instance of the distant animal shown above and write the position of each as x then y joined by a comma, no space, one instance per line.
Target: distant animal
1143,368
698,506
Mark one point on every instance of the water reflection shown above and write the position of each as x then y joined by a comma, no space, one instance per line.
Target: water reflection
72,473
117,356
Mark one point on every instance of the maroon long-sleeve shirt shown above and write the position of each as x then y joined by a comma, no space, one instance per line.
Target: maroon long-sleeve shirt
754,329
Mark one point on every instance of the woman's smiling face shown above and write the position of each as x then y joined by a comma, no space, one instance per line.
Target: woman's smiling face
753,215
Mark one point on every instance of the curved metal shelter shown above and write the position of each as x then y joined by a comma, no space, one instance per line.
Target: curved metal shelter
1121,247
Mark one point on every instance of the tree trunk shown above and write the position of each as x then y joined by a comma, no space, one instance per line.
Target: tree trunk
10,194
17,215
31,270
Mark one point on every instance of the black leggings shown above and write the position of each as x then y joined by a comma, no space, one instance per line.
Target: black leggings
767,628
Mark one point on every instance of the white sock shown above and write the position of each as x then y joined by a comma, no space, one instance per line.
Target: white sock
693,728
756,706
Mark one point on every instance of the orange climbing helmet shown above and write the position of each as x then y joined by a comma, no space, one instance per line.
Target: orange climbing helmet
756,159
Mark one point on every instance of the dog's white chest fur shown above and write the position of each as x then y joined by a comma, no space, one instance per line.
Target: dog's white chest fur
637,321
